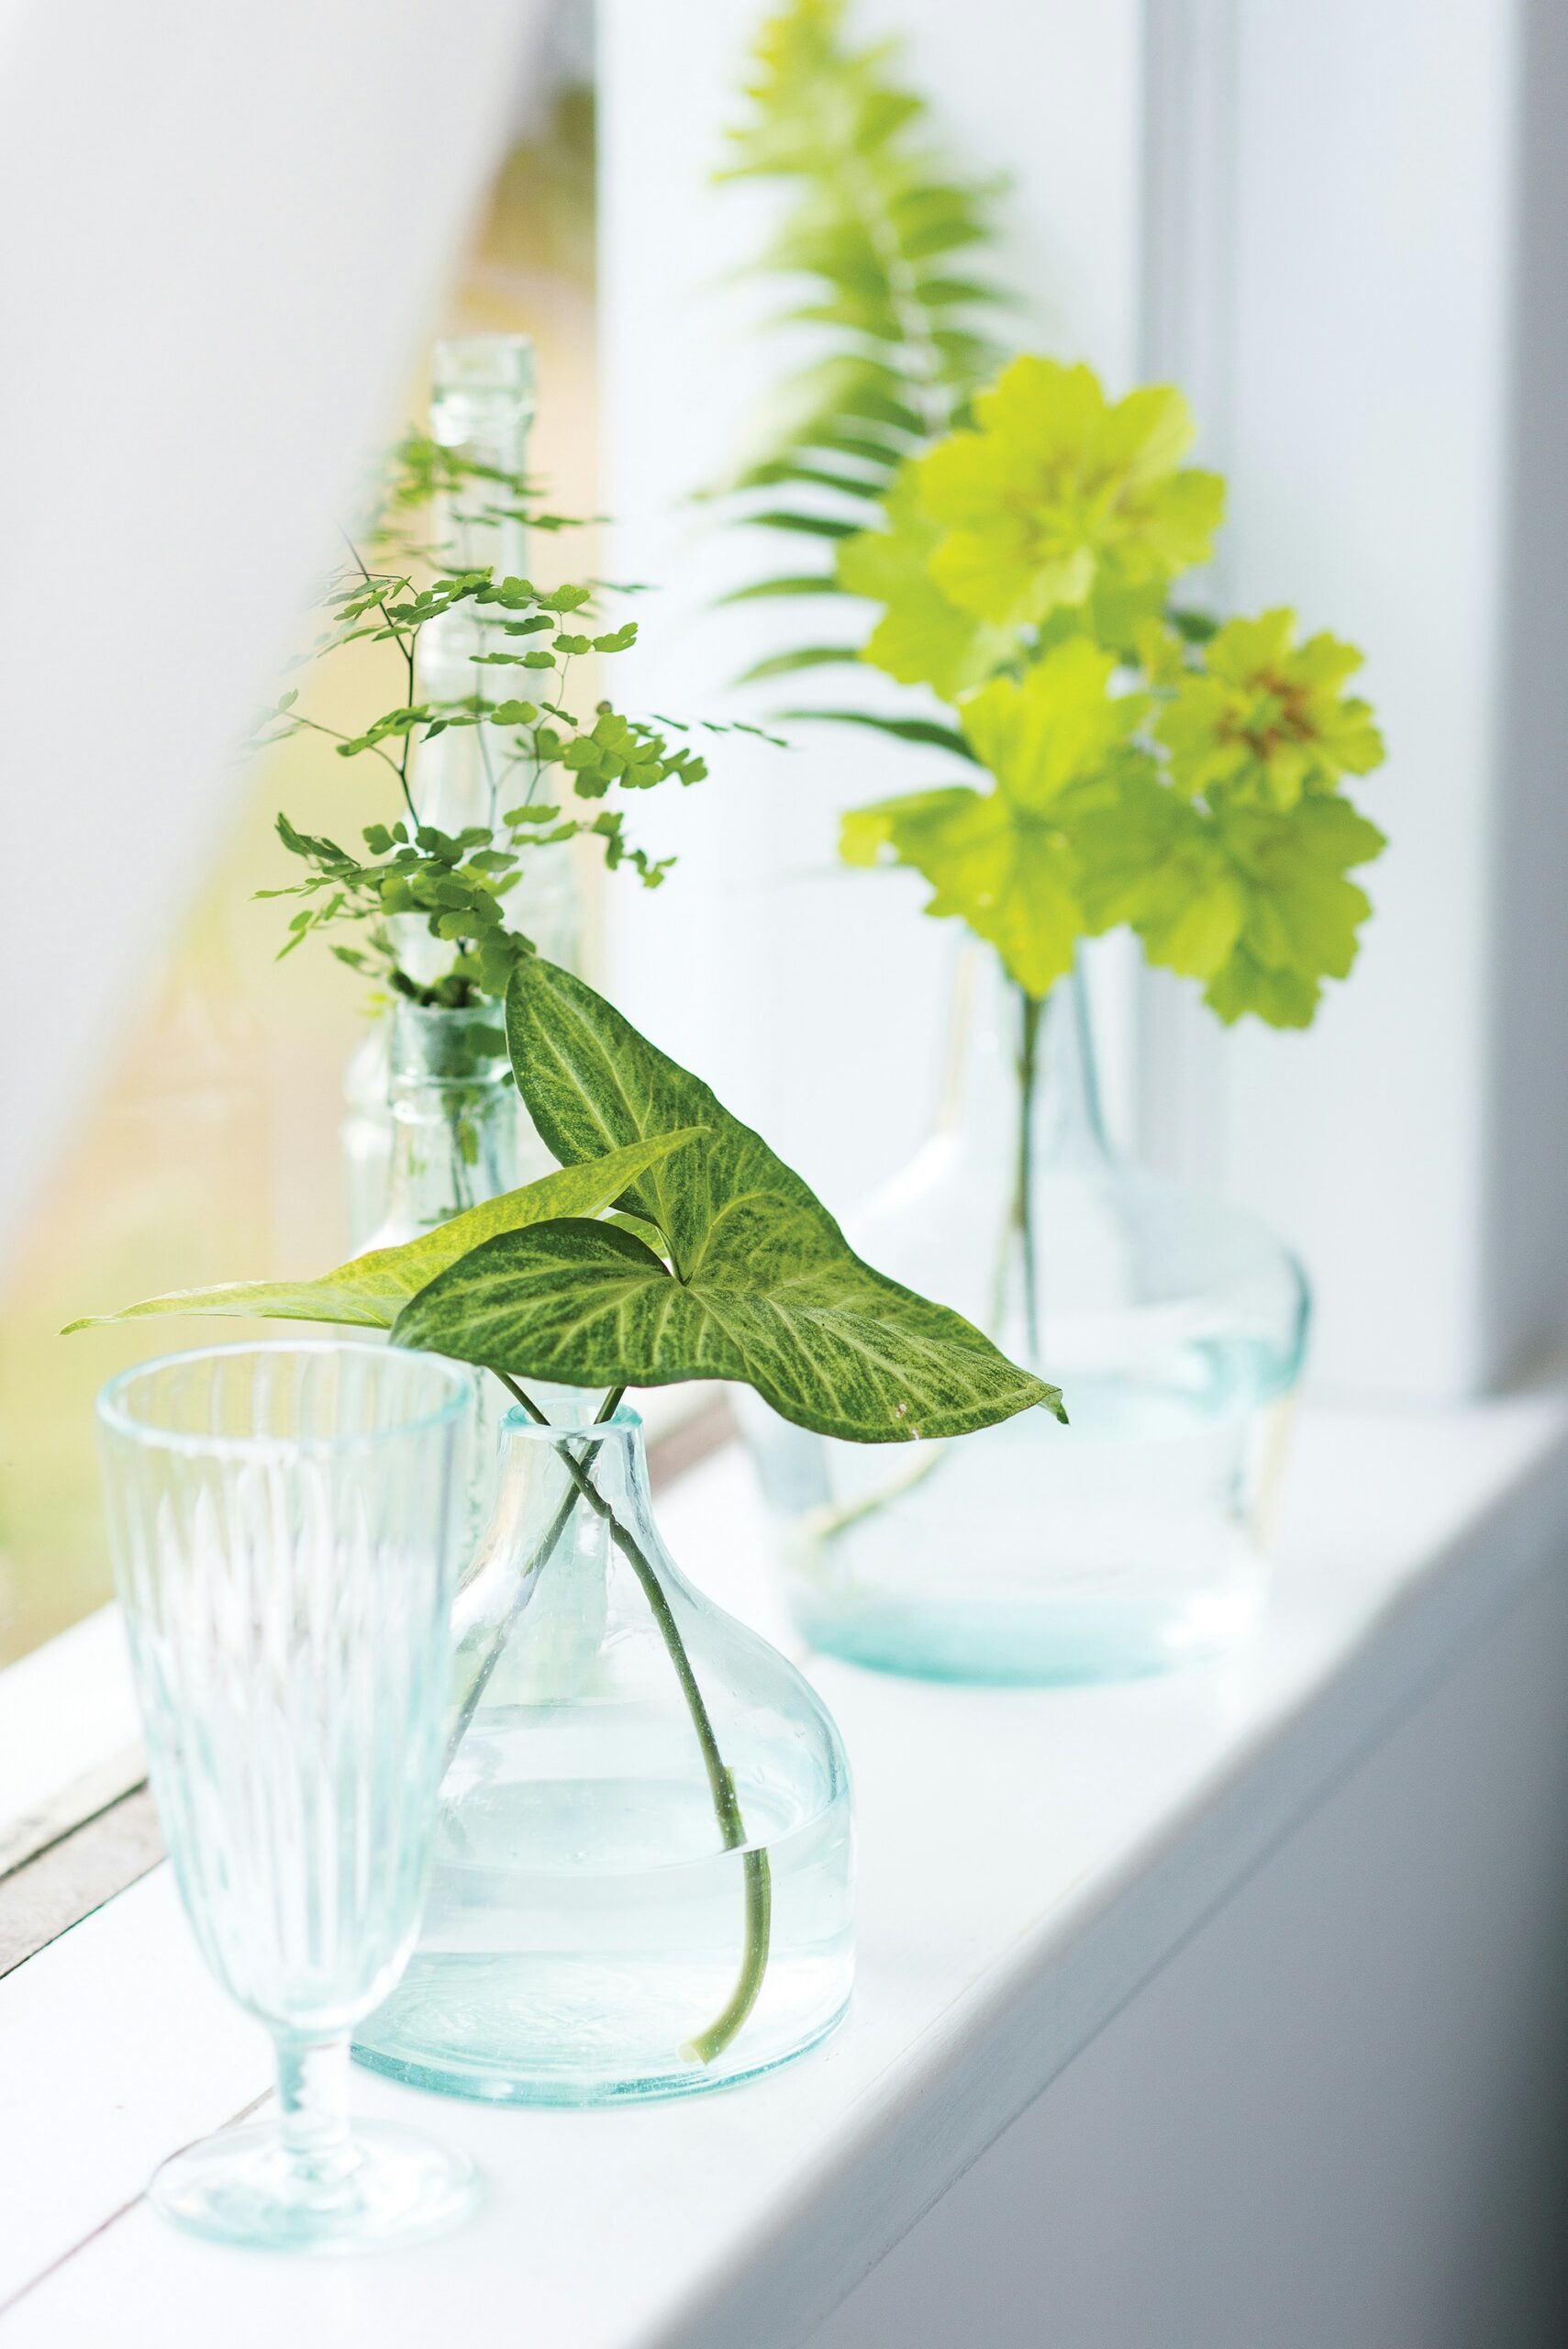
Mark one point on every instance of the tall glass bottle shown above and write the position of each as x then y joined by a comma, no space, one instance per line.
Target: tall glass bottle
1131,1540
456,1135
482,403
643,1872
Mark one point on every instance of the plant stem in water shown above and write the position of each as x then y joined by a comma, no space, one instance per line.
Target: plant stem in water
543,1552
758,1875
1023,1203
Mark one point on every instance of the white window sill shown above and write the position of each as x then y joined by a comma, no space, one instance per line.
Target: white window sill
70,1739
1028,1860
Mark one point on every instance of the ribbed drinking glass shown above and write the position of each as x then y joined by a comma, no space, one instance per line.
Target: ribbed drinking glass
286,1523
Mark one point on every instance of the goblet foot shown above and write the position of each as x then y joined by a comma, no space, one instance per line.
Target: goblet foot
384,2185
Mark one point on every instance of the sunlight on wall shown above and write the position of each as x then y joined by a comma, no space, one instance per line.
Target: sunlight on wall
213,1152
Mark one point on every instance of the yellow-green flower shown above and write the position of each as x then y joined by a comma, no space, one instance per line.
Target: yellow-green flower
922,639
1003,859
1265,720
1255,901
1057,490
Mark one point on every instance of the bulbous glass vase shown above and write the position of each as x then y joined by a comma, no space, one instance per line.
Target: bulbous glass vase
643,1876
1128,1541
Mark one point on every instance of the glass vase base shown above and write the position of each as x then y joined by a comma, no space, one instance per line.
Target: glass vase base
387,2185
574,2034
1027,1644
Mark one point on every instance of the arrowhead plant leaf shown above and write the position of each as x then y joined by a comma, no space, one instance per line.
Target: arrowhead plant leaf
760,1285
370,1292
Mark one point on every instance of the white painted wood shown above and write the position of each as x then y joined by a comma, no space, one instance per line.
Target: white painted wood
65,1712
1030,1860
115,2052
1337,2118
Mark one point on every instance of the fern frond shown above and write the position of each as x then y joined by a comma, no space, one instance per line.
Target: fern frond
874,243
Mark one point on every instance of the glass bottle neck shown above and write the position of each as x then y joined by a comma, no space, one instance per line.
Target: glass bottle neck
1059,1091
482,405
454,1116
565,1494
1008,1052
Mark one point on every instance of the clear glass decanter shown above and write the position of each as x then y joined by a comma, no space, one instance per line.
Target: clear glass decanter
481,402
1134,1538
643,1880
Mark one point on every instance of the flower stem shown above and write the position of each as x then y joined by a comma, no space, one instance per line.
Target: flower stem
758,1875
1023,1202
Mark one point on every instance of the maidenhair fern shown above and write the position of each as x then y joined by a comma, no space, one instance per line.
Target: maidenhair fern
877,237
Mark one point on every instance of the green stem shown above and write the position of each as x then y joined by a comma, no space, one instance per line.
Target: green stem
758,1875
1023,1203
405,646
543,1551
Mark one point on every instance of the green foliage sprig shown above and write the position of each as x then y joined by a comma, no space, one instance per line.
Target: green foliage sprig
552,774
1147,767
877,238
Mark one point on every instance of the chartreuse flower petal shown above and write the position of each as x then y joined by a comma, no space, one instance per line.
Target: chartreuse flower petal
1265,719
1303,914
1057,491
1004,861
922,638
1147,858
1253,901
1060,724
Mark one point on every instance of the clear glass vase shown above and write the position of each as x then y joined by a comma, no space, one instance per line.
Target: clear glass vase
1134,1538
642,1881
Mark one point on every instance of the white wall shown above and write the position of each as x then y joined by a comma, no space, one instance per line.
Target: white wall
1368,272
225,226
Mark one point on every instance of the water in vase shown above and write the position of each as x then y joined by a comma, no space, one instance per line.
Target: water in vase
1134,1538
594,1932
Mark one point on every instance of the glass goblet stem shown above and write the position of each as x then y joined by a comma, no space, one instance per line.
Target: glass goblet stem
313,2103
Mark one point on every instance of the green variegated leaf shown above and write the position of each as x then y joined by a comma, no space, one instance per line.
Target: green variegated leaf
761,1285
829,1343
370,1292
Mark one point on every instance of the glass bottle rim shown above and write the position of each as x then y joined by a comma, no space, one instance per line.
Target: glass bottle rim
116,1417
488,1010
622,1421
